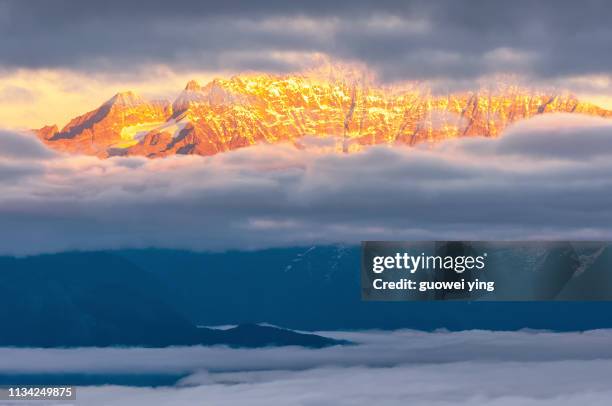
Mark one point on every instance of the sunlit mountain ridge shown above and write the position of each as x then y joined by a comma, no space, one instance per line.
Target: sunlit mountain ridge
245,110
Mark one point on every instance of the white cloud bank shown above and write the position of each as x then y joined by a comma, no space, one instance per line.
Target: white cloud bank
389,368
467,384
549,177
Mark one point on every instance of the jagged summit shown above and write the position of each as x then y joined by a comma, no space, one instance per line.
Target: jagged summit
127,98
226,114
193,85
191,96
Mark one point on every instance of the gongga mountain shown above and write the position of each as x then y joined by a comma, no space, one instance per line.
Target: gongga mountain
251,109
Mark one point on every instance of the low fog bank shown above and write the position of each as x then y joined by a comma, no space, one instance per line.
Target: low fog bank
440,368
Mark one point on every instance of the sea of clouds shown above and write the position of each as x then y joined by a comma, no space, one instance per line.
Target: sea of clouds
548,177
390,368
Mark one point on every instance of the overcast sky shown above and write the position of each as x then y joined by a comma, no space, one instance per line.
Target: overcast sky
46,47
407,40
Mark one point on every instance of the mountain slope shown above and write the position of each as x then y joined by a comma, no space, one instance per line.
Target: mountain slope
246,110
101,299
318,288
157,297
99,131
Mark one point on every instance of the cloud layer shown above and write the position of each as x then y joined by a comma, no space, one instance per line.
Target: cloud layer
413,39
467,384
546,178
442,368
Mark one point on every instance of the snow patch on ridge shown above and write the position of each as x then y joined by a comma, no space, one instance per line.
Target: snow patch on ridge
132,135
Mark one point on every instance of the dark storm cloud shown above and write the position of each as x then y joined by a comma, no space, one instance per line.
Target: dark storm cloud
400,40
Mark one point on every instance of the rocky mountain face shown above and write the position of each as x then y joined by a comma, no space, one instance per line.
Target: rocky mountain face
246,110
100,130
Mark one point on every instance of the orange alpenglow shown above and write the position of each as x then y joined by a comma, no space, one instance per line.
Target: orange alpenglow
265,109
